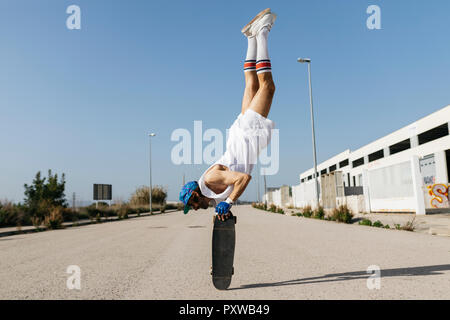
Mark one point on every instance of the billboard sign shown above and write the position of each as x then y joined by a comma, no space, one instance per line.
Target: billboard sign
102,192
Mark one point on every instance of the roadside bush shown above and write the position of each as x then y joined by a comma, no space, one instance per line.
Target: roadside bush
12,215
307,212
92,211
101,204
263,206
54,219
378,224
172,206
123,211
141,196
409,226
143,210
82,215
365,222
108,212
342,214
319,213
280,210
36,221
69,215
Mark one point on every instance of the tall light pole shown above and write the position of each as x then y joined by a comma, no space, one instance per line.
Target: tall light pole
265,190
308,61
257,185
150,135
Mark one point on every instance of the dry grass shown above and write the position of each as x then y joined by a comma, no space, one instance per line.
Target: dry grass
55,219
410,225
342,214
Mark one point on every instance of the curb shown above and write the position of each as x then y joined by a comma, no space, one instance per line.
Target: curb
77,224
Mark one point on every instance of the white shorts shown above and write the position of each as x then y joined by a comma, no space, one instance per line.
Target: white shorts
249,134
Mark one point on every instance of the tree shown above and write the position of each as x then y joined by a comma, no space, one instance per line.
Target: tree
45,193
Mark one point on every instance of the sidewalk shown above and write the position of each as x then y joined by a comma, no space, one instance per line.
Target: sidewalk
10,231
436,224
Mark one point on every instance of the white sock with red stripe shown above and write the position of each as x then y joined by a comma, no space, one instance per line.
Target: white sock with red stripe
250,59
262,52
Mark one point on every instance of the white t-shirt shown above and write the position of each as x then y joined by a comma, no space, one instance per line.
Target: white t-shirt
249,134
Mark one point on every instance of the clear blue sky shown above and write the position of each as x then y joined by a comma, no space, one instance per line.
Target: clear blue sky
82,101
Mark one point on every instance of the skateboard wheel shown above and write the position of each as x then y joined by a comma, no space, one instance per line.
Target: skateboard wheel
235,219
232,271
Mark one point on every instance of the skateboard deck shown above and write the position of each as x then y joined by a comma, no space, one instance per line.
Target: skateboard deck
223,243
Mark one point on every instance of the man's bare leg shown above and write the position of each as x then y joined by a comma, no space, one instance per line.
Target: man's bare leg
262,101
251,88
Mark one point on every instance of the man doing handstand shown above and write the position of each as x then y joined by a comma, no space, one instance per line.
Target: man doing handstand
227,178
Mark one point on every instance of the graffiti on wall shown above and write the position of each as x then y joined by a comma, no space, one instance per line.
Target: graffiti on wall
438,195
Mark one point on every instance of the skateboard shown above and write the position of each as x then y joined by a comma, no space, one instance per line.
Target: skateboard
223,243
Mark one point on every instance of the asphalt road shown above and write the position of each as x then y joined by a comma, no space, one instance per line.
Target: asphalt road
168,256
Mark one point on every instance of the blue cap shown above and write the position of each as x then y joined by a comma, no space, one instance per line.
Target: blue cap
186,193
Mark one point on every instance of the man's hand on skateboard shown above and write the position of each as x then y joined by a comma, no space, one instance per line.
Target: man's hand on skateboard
223,210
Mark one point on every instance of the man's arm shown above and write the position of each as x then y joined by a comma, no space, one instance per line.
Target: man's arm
238,179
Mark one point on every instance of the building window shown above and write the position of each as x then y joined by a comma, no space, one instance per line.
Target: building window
343,163
433,134
354,181
376,155
309,177
358,162
399,147
303,180
332,168
324,171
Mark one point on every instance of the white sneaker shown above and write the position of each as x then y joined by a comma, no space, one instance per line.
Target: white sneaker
265,21
246,30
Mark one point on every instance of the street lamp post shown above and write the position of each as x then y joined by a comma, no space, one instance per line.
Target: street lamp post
150,135
308,61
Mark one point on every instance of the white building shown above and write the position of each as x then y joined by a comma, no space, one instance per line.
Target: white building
281,197
405,171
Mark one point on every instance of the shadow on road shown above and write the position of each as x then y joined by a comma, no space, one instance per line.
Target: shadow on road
400,272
